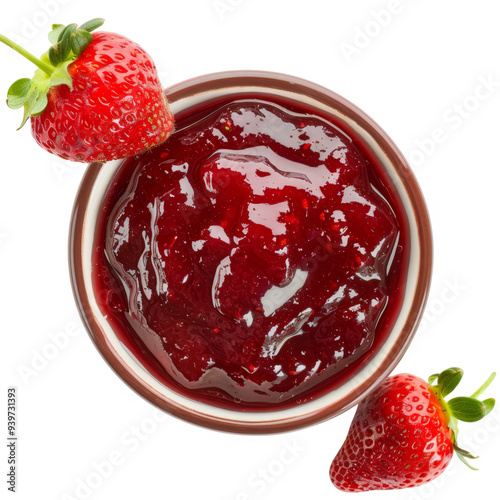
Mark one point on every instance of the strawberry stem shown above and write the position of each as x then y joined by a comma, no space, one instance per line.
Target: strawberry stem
484,386
40,64
68,43
461,408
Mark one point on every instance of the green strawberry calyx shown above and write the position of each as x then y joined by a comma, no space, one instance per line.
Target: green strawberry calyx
465,409
68,42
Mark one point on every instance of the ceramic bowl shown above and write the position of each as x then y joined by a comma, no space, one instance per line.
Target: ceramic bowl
367,375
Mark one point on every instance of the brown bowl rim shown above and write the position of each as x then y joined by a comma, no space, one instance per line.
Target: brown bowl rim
287,83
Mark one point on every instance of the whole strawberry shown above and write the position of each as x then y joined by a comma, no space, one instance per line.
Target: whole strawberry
94,97
404,433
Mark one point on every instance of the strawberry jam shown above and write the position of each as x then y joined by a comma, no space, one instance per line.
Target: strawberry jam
254,259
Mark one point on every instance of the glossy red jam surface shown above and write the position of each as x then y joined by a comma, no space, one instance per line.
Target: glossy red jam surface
255,258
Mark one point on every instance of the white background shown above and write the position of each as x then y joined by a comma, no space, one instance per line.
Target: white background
420,73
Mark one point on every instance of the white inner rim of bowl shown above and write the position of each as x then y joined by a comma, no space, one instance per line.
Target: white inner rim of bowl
301,410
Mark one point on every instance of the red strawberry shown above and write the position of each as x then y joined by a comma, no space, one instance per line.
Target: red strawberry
94,97
404,433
